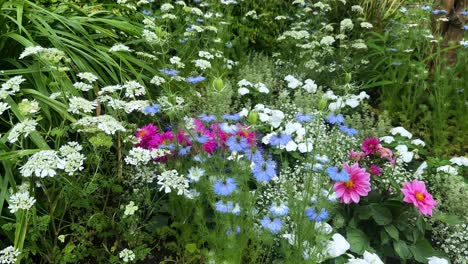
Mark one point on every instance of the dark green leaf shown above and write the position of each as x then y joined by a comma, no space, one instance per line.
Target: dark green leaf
381,215
392,231
357,239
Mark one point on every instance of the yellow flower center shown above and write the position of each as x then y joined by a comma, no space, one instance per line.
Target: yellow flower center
142,133
419,196
349,184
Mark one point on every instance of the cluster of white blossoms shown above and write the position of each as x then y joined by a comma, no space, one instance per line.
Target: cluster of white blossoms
9,255
50,54
244,86
272,117
11,87
72,157
133,89
23,128
138,156
309,85
157,80
105,123
20,201
78,105
130,208
202,64
120,47
45,163
177,62
171,180
127,255
339,102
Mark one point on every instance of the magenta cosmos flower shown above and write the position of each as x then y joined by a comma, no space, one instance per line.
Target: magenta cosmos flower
371,145
358,184
415,192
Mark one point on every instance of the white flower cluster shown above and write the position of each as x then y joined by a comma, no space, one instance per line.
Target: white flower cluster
453,240
367,258
11,86
71,157
105,123
3,107
120,47
170,180
244,86
45,163
23,128
130,209
202,64
138,156
88,76
157,80
50,54
308,85
177,62
79,105
295,34
20,201
9,255
271,116
133,89
127,255
339,102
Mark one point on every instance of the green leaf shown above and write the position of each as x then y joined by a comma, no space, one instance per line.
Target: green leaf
402,249
422,249
10,155
363,212
357,239
191,248
448,218
381,215
392,231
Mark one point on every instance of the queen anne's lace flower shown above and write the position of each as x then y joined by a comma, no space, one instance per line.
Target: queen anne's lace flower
79,105
138,156
23,128
11,86
72,158
20,201
119,47
171,180
127,255
9,255
83,86
87,76
3,107
42,164
133,89
106,123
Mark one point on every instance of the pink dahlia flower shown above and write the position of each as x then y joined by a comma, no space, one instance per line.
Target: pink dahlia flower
370,145
375,170
415,192
358,184
145,134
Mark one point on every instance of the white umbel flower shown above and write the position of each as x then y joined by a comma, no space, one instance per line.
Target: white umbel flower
20,201
82,86
127,255
42,164
138,156
9,255
11,86
106,123
87,76
119,47
23,128
401,131
72,158
171,180
460,161
157,80
28,51
3,107
202,64
130,209
79,105
133,89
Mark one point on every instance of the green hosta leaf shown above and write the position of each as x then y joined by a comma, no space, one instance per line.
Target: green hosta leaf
381,215
392,231
402,249
357,239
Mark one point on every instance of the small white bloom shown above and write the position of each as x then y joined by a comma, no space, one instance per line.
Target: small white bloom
138,156
83,86
24,128
448,169
3,107
133,89
401,131
28,51
87,76
9,255
127,255
338,246
106,123
195,173
420,170
405,155
437,260
327,41
310,86
157,80
366,25
171,180
20,201
120,47
418,142
293,83
346,24
79,105
42,164
387,139
243,91
202,64
130,209
460,161
305,147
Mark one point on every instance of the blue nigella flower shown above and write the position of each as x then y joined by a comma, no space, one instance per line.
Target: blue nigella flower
230,129
335,119
146,12
279,210
318,167
464,13
312,214
223,207
167,146
426,8
189,28
348,130
264,171
439,11
228,45
303,117
207,118
274,225
336,175
465,27
229,231
151,109
200,20
202,139
322,159
224,188
232,117
183,40
170,72
237,143
282,139
255,157
195,79
185,150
